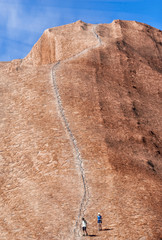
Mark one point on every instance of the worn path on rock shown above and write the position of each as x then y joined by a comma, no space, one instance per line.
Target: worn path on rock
79,160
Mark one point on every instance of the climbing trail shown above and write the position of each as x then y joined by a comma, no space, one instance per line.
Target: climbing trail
79,161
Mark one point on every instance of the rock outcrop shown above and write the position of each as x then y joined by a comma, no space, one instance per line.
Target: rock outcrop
81,134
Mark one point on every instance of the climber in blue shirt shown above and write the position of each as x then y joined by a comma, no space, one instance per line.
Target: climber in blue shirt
99,221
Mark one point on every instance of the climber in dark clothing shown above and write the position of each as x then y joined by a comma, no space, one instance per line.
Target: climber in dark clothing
99,221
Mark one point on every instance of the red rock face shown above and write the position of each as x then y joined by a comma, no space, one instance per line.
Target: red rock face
81,134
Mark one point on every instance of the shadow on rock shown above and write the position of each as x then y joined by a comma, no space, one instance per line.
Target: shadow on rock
107,229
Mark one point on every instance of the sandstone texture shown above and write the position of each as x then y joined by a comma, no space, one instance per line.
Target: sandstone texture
81,133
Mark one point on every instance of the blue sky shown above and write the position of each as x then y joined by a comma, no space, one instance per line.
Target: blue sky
22,22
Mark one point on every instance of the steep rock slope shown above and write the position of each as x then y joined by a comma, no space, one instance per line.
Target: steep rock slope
81,134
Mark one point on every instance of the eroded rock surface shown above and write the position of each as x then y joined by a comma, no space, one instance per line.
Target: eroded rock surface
81,134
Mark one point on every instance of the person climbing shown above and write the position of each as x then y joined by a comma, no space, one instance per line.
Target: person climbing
84,227
99,221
